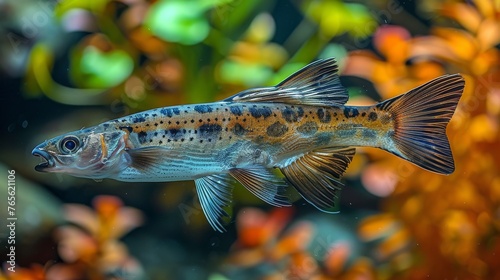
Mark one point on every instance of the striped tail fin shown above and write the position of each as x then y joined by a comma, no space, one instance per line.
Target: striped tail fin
420,118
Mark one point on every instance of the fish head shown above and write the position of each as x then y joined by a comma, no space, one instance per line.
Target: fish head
84,153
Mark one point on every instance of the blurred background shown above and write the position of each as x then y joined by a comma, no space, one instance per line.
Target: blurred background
70,64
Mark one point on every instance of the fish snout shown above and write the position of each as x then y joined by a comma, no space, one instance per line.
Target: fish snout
47,160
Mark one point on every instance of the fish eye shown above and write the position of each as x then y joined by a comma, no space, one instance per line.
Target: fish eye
69,144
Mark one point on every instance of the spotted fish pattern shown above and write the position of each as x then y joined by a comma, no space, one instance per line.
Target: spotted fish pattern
301,127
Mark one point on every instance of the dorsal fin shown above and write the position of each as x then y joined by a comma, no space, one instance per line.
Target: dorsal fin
315,84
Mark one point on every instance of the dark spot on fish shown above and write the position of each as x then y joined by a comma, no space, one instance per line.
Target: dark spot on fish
300,112
372,116
167,112
161,122
210,129
129,128
277,129
192,121
177,122
156,124
142,137
236,110
174,132
260,112
176,111
106,125
323,115
156,133
335,114
160,142
147,124
289,114
138,119
308,128
203,109
154,115
350,112
191,138
238,129
150,140
363,114
368,133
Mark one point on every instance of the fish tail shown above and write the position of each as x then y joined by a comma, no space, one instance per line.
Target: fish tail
420,117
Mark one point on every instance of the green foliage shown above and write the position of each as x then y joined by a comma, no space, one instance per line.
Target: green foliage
104,69
336,18
179,21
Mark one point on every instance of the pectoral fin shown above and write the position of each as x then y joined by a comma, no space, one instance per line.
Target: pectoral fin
262,183
215,193
147,157
316,175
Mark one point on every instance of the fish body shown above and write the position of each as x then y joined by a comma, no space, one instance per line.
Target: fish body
301,126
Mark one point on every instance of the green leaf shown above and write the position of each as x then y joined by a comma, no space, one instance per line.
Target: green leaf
105,69
179,21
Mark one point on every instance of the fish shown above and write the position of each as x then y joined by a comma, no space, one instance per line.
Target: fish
301,127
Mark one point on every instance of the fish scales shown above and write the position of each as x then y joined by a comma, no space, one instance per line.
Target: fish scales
300,126
225,123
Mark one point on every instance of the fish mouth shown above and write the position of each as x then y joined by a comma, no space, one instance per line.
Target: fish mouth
47,160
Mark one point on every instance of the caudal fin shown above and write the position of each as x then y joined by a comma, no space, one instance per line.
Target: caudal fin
420,118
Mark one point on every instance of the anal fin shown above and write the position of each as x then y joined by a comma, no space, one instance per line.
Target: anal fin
316,175
262,183
215,193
